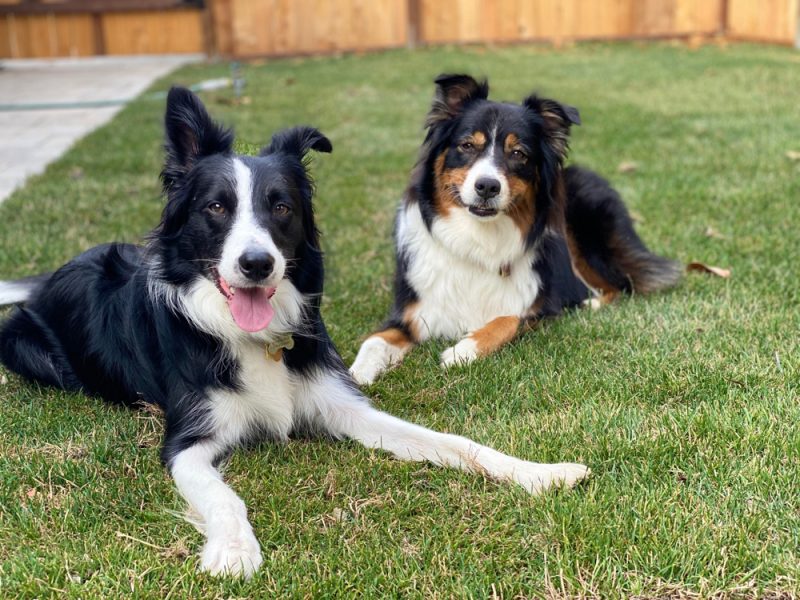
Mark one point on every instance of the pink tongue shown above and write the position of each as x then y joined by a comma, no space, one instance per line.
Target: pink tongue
251,309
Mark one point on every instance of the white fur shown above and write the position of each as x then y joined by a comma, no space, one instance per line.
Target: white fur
593,303
463,353
207,308
14,293
485,167
247,234
455,271
230,546
262,402
272,399
374,357
344,412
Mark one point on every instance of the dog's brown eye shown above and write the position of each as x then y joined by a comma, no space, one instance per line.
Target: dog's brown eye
281,209
466,146
518,155
216,208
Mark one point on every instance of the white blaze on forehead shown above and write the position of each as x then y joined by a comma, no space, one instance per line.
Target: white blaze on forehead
485,167
246,233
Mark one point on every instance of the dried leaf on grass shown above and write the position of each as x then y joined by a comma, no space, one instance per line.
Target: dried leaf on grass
704,268
627,166
793,155
713,233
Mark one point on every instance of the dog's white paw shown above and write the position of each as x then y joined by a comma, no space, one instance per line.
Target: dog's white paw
463,353
364,373
536,478
374,357
233,552
593,303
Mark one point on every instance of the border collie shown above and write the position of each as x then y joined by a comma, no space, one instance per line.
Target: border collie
216,320
493,234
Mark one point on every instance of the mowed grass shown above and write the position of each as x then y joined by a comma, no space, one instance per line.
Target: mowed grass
684,404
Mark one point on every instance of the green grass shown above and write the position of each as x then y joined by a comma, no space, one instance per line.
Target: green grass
685,404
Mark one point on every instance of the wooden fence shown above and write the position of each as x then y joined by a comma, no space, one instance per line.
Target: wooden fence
252,28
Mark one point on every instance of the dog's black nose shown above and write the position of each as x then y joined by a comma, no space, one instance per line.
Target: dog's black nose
256,265
487,187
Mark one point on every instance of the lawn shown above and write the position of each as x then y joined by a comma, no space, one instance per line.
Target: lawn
685,404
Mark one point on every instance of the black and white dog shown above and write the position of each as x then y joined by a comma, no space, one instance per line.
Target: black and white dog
217,321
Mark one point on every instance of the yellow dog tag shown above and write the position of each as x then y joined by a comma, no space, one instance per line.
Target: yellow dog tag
275,349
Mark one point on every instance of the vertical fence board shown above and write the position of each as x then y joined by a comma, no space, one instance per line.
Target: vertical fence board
766,20
173,31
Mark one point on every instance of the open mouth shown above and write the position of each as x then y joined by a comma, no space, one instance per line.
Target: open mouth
482,211
250,307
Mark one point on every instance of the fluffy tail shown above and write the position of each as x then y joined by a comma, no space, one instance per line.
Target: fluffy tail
19,291
605,249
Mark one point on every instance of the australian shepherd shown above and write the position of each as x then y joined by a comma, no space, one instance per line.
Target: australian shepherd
493,234
216,320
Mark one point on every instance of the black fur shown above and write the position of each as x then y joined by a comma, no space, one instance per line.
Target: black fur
578,219
94,327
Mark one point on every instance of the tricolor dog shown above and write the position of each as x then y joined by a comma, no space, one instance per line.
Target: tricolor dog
216,320
493,234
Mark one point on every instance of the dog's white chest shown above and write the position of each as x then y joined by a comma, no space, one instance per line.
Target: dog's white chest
264,401
465,273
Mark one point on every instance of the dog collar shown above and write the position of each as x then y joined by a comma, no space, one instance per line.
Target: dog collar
274,349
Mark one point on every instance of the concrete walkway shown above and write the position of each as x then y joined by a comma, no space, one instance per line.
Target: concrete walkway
32,136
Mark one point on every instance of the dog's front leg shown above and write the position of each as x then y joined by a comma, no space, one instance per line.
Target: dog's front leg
230,544
380,352
344,412
482,342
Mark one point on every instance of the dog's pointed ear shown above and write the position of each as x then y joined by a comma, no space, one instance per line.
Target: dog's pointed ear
453,93
297,141
558,119
190,134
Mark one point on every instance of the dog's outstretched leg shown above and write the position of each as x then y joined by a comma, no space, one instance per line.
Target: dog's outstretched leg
380,352
344,412
230,544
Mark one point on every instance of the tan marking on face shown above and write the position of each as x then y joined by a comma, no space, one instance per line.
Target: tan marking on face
478,139
410,320
511,143
448,182
394,337
522,209
495,334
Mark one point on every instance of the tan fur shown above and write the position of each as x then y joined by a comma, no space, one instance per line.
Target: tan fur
589,276
447,183
478,139
394,337
523,205
511,144
410,320
495,334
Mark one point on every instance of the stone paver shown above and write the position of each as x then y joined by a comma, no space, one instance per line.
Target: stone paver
31,139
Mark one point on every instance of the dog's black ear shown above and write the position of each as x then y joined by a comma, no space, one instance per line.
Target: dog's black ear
190,134
558,119
297,141
453,93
